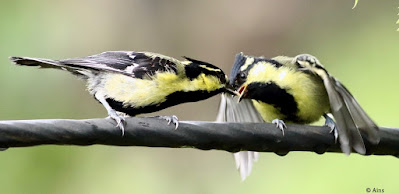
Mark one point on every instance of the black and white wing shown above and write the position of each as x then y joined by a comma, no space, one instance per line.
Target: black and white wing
136,64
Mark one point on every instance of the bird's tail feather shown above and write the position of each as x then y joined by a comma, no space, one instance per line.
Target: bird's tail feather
43,63
48,63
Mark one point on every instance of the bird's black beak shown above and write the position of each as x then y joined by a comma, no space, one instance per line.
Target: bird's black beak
242,92
230,90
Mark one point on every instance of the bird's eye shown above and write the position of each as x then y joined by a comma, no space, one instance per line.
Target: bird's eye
243,75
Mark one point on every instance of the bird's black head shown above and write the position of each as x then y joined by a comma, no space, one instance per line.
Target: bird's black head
196,68
243,64
239,72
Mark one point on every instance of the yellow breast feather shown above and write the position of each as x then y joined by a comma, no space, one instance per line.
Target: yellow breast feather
310,96
142,92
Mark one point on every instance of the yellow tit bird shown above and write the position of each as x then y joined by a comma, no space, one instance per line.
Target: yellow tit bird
300,90
139,82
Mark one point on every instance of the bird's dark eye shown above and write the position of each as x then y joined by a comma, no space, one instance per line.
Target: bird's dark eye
240,79
243,75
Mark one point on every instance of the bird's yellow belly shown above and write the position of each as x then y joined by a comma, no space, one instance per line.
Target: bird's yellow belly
137,92
311,100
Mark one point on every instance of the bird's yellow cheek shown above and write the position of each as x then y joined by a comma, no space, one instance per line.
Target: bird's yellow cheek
208,83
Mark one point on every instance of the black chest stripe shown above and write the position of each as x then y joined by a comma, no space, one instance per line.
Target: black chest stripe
172,99
271,93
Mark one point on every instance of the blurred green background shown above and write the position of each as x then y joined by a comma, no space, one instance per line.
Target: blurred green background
360,47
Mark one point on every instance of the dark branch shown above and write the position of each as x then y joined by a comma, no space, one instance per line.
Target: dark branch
154,132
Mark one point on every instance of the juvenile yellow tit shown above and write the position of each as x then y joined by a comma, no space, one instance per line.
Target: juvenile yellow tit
300,90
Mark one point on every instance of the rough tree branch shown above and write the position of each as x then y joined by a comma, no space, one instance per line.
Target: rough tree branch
154,132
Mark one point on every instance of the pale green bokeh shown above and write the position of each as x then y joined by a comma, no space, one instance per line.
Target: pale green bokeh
359,47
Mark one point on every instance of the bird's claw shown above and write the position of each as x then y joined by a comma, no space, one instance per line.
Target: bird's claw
121,124
331,124
306,58
171,119
120,121
280,124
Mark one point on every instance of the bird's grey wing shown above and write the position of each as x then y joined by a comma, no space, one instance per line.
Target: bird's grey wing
232,111
350,117
363,122
348,133
136,64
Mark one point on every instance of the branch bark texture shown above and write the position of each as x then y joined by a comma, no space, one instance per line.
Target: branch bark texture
154,132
